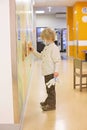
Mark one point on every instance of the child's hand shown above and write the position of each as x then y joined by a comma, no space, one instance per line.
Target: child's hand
31,48
56,74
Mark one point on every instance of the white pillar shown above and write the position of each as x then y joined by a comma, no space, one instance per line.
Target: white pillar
6,95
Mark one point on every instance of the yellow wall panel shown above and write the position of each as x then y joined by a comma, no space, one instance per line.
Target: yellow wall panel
77,28
81,54
78,15
70,22
73,51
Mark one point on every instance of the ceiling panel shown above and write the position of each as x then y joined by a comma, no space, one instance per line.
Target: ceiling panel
55,2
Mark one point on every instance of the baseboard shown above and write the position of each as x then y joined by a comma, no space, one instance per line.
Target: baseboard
9,127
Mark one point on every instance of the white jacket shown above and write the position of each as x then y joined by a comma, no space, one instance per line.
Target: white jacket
50,57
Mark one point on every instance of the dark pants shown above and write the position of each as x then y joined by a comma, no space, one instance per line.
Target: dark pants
51,98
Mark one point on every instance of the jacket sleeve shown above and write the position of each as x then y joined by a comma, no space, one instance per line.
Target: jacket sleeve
56,57
37,54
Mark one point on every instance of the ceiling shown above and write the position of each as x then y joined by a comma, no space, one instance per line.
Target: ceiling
39,3
57,6
54,9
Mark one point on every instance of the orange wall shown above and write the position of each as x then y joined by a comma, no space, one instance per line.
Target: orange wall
78,14
74,20
73,51
70,22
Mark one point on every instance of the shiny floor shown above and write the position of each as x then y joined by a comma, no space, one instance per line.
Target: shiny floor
71,108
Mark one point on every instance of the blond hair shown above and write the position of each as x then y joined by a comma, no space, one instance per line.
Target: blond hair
48,34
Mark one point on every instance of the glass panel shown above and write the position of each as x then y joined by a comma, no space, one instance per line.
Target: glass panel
24,27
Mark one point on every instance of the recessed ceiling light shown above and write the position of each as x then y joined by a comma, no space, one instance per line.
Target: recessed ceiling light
40,12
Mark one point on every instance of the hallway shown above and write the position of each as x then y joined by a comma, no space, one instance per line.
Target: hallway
71,110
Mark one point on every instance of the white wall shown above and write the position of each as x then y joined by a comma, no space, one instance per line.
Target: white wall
50,21
6,98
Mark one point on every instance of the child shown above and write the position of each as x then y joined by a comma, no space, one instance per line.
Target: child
50,57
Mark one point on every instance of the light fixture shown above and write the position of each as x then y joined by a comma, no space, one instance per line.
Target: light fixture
33,2
40,12
49,8
23,12
18,1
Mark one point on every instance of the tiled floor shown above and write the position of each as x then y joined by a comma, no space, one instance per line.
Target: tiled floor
71,109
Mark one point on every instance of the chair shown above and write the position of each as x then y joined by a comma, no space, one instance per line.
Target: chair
78,72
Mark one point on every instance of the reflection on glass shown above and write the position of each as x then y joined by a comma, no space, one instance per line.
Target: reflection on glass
24,35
